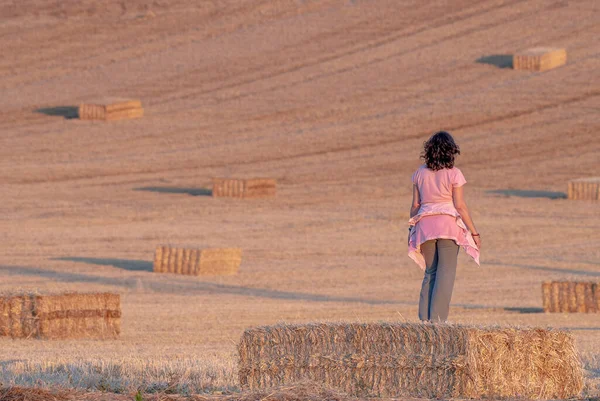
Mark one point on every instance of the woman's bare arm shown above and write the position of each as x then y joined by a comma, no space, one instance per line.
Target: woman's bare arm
461,206
416,202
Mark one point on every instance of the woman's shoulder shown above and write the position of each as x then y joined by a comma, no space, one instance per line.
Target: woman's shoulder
455,171
422,168
418,173
457,177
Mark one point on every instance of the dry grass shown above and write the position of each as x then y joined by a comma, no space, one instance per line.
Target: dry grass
126,375
303,391
300,391
591,364
16,393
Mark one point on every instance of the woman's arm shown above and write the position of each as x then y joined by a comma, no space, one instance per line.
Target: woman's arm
416,202
461,206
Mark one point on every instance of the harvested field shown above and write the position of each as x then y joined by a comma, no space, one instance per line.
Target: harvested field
334,99
197,262
416,360
571,296
305,391
70,315
33,394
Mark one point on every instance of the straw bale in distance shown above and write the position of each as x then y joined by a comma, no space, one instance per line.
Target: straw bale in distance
70,315
75,315
584,189
244,188
111,109
412,359
571,296
16,316
539,59
197,262
124,114
219,261
260,188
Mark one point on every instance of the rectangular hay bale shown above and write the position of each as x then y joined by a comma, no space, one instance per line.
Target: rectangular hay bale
571,297
197,262
91,112
70,315
539,59
244,188
260,188
124,114
16,316
117,104
584,189
111,109
413,359
225,261
78,315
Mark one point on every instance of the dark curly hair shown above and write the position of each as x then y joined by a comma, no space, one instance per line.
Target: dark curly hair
439,151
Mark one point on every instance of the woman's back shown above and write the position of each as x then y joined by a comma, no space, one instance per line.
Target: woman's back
439,225
436,186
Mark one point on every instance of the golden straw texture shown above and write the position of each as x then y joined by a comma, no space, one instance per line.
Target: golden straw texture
16,393
584,189
539,59
16,316
70,315
412,359
111,109
197,262
248,188
571,296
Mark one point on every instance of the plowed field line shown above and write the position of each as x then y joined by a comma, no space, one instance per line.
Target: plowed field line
339,149
390,39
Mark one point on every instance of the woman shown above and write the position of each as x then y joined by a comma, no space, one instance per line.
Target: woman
439,224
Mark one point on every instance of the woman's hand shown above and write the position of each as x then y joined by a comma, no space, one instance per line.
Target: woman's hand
477,240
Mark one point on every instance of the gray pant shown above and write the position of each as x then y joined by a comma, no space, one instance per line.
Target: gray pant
440,259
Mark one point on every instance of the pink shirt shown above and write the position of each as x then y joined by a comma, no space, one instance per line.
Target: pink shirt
436,186
437,217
